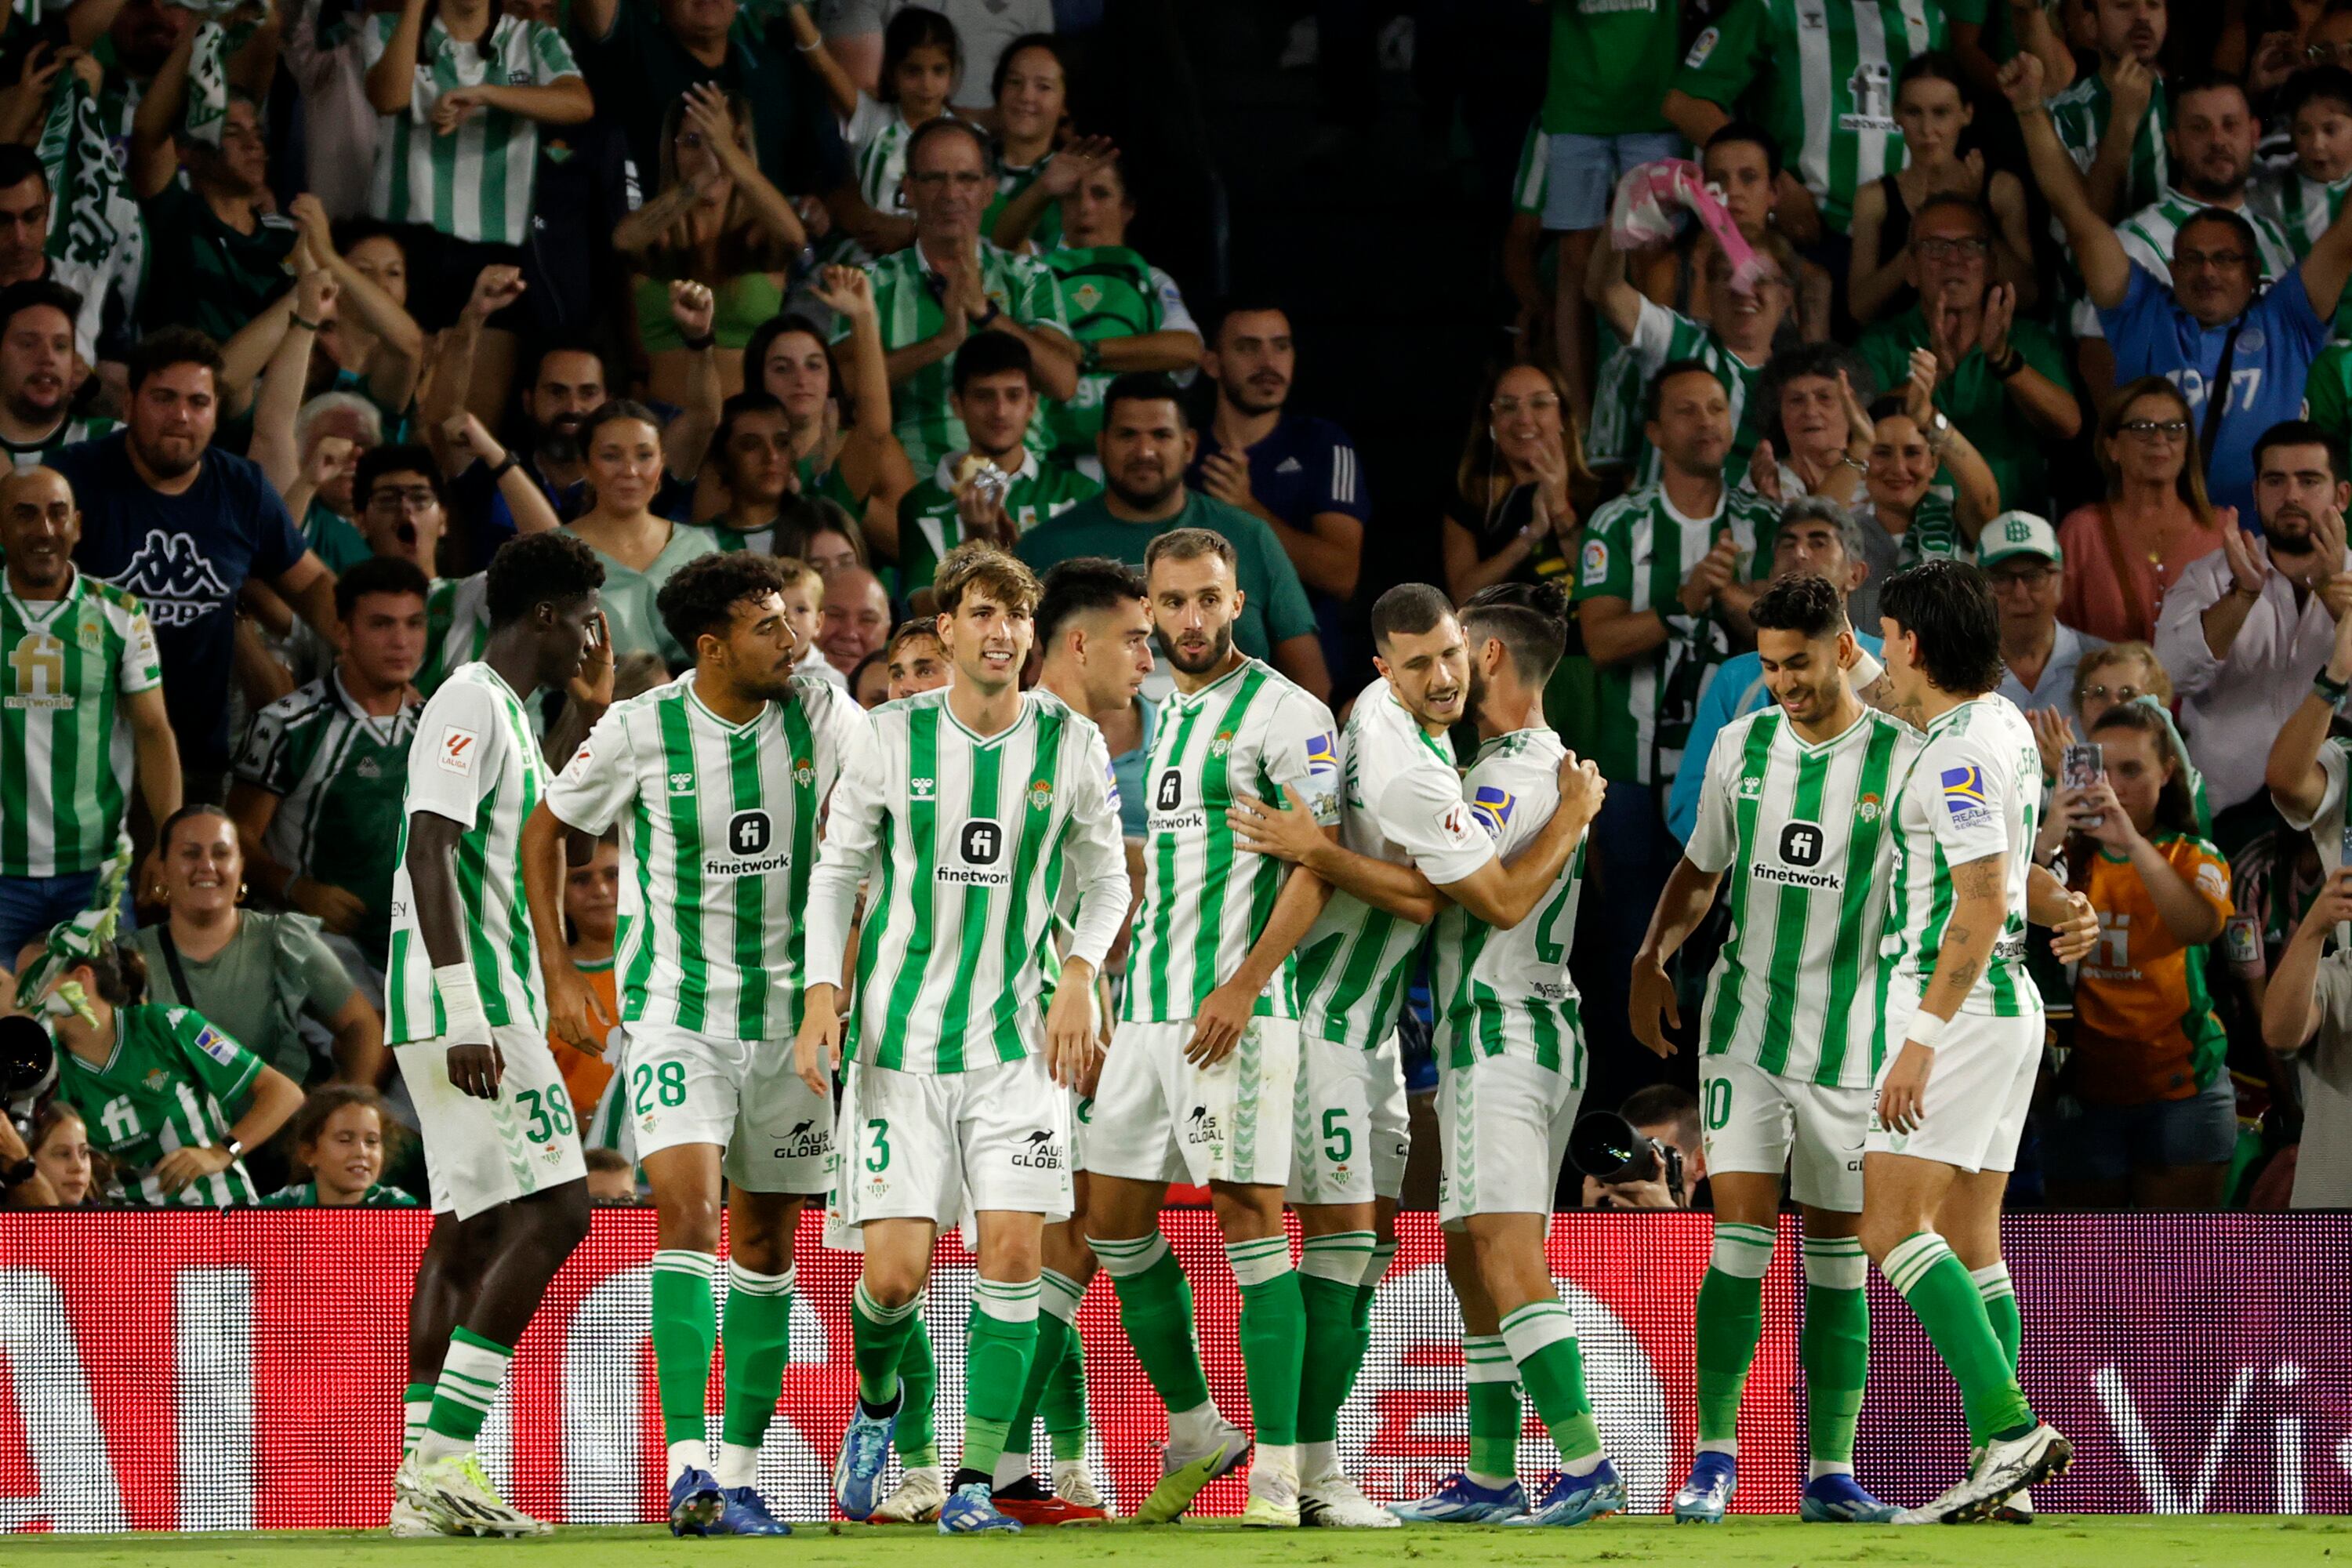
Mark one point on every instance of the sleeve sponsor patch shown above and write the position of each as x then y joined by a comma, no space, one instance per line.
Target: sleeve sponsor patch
1595,568
1964,795
1492,805
217,1046
1320,756
454,751
1702,46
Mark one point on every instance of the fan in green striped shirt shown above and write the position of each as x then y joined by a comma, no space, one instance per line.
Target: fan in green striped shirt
2303,197
1736,348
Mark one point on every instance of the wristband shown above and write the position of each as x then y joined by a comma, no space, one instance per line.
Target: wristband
461,1004
994,310
697,344
1921,1030
231,1147
505,466
17,1174
1865,669
2328,690
306,326
2010,364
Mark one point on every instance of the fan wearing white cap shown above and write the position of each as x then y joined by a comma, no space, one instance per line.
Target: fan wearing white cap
2019,553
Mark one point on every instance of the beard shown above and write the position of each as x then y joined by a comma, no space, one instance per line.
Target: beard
2301,543
559,442
1220,647
1144,500
1475,703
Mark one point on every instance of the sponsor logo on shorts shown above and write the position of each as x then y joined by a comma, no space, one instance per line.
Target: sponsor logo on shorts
806,1141
1200,1127
1038,1152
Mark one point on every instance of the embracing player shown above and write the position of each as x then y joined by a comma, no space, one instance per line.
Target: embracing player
974,807
465,1016
717,781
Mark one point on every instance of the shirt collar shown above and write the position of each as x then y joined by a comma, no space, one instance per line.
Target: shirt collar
44,609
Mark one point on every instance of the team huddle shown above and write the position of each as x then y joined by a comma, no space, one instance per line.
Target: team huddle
939,965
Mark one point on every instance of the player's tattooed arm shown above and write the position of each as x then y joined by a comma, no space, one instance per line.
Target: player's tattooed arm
1880,694
1980,909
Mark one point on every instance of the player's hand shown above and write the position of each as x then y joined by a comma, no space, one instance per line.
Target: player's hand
1224,1018
1581,788
592,686
192,1164
495,289
2073,938
817,1049
1285,831
1073,1048
477,1069
1653,996
574,1012
1901,1097
338,909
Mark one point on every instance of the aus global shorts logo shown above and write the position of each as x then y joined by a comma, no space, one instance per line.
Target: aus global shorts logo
1200,1127
806,1140
1038,1151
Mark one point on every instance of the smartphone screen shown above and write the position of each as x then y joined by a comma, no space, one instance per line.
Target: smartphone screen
2084,765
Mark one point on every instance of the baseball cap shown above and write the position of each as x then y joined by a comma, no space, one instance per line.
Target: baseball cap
2018,533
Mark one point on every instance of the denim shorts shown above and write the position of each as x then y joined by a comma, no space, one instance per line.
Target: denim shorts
2107,1142
1585,171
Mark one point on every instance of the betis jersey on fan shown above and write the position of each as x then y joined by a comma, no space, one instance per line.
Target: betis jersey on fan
1110,293
1974,791
1403,805
718,841
457,627
1508,992
1638,548
2303,208
1660,338
1829,93
476,183
877,134
33,455
2079,115
904,299
475,762
930,526
1803,829
965,843
65,748
162,1089
1205,899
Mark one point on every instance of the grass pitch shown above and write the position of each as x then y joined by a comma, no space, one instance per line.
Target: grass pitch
2057,1540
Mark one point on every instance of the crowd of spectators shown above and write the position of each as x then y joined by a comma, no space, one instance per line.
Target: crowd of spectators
307,305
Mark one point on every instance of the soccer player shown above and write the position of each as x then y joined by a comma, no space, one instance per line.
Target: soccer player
1204,1065
717,781
1794,806
977,805
466,1020
1952,989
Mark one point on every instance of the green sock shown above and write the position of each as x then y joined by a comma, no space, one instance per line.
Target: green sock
1368,1291
1053,1338
1331,1275
1495,1415
686,1333
878,1337
1155,1308
1946,1302
1064,1396
1002,1341
1542,1341
916,1435
1834,1346
1731,1321
758,1336
470,1372
2001,1308
1272,1334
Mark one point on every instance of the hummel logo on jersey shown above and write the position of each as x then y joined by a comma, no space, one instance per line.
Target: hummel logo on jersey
922,789
1751,786
682,783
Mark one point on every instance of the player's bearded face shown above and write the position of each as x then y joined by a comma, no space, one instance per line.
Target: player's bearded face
1430,671
1804,674
762,647
1194,645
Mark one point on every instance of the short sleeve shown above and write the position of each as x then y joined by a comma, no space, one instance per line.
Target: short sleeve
1604,566
1037,300
1301,753
2202,866
551,56
141,666
2332,764
2142,319
1174,315
1715,836
2288,304
600,780
1965,811
456,756
1658,334
1722,60
266,759
1423,810
375,37
322,980
865,121
219,1063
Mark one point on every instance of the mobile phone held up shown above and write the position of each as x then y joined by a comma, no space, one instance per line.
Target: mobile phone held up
2084,765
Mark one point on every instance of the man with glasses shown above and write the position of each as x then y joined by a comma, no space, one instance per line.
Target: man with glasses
2211,325
950,284
2000,379
2019,553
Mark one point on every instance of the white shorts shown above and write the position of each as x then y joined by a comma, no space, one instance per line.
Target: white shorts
1157,1117
741,1095
921,1145
1348,1134
1082,1115
1754,1120
479,1153
1502,1135
1974,1110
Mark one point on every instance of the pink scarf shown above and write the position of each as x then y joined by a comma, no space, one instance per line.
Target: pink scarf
1643,215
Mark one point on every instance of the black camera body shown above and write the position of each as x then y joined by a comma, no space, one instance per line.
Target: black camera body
1608,1148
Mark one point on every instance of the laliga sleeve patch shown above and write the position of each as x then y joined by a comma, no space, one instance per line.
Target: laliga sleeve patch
1594,570
455,750
1701,47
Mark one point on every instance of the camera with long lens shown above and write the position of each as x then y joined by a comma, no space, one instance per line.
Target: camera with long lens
1609,1149
28,1062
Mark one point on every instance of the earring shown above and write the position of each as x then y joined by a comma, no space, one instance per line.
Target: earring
242,889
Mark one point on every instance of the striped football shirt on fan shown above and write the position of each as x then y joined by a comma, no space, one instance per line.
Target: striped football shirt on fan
475,183
65,749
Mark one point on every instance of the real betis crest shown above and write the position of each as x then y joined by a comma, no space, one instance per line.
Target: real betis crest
91,632
1041,795
1086,296
1867,809
803,773
1221,744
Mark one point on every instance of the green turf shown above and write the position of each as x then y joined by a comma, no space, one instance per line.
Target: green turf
2055,1542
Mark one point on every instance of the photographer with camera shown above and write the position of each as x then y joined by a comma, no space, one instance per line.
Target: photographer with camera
1647,1155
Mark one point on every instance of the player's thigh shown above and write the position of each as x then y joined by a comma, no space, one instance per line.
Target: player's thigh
1973,1109
1503,1126
1831,1125
1392,1126
2023,1037
683,1088
1330,1132
1132,1126
1013,1130
1237,1113
1747,1122
1578,185
479,1153
897,1149
783,1138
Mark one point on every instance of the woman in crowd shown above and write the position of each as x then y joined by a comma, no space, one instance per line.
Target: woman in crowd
343,1137
2124,553
842,444
621,446
2148,1118
1514,516
1032,89
371,345
818,531
255,974
716,220
1924,496
1816,432
2119,672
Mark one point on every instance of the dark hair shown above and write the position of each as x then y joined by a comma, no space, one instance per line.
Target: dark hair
2240,230
1936,64
740,406
763,338
1948,605
349,233
976,564
1233,305
2205,79
378,574
701,597
913,629
2299,433
1191,544
742,244
566,344
1739,131
18,163
1143,387
1799,603
2175,806
616,410
1664,1104
189,812
1408,609
406,459
948,125
1529,619
910,30
992,353
2318,84
1083,585
1798,359
879,659
167,346
534,568
1046,41
120,973
1654,396
18,297
319,1108
56,1114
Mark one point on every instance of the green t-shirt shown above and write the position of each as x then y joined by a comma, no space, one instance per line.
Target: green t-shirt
305,1195
930,526
277,969
201,273
335,542
1010,183
1820,75
1611,63
1110,291
2327,393
1274,604
1973,398
162,1089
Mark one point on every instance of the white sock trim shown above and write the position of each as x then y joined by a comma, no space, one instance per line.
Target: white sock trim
1126,1259
1487,1358
1376,1268
1060,1295
1910,1261
1260,1261
752,1283
681,1260
1742,1251
1341,1258
1836,1263
1535,1327
1007,1301
867,1304
1992,1281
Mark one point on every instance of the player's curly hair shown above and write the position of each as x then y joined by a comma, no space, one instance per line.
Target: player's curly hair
976,563
1529,619
1799,603
1948,606
551,568
700,598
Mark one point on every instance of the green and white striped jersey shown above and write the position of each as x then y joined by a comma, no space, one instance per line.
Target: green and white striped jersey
2148,236
33,455
1205,899
2303,207
66,757
476,762
1019,286
1508,992
1403,804
719,837
877,134
1660,337
2079,115
929,525
339,774
1638,548
477,182
1973,792
967,840
457,627
162,1089
1805,830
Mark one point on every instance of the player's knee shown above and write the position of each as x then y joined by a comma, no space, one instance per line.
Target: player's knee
1883,1233
892,1283
561,1219
690,1223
